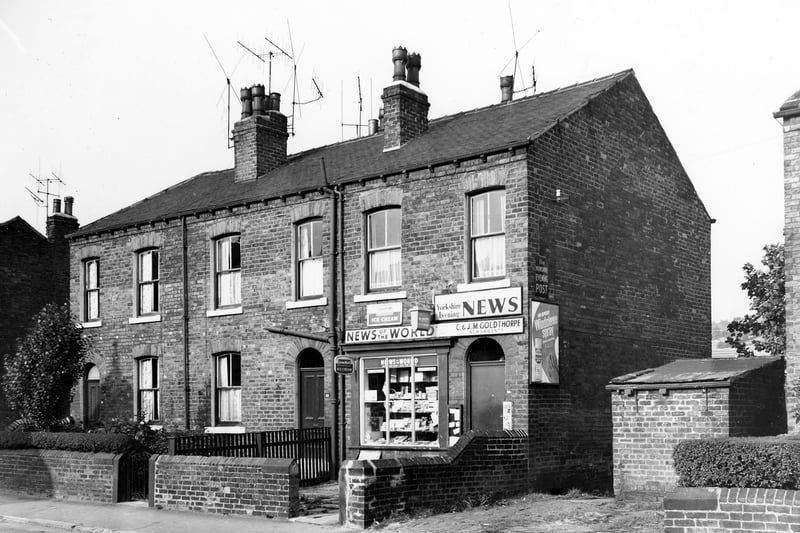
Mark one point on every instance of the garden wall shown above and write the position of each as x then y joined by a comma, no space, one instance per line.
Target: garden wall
481,465
60,474
226,485
702,509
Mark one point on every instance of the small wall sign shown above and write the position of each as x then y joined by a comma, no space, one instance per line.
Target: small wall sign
386,314
343,364
541,287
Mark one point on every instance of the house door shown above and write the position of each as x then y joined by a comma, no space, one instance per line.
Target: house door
311,389
92,395
486,385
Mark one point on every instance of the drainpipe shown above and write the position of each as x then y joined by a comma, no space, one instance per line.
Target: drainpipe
342,316
186,387
332,337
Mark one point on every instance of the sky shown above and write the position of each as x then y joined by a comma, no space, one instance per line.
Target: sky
123,99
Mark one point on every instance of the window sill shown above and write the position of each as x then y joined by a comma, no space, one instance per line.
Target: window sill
225,429
379,296
311,302
92,324
482,285
224,312
144,319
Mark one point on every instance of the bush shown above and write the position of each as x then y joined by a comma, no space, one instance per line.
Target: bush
758,462
152,440
75,442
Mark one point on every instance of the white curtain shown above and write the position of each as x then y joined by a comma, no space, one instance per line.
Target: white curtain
311,277
229,287
92,304
489,257
147,298
384,269
230,405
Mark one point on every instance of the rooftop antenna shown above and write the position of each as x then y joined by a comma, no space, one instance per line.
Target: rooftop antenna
228,89
358,125
515,57
43,189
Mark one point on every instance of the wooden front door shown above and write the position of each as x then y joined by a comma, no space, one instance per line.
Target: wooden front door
487,390
312,397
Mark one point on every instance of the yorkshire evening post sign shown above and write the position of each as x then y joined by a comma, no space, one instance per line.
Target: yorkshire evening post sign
544,343
478,304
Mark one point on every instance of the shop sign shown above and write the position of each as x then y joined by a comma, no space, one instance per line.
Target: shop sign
544,342
468,328
478,304
464,328
541,286
343,364
386,314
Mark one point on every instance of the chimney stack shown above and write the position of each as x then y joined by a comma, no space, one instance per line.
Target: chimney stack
61,224
259,138
506,89
405,106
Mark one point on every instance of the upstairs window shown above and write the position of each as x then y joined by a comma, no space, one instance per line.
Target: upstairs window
229,387
487,234
91,290
147,282
309,259
228,272
147,390
383,249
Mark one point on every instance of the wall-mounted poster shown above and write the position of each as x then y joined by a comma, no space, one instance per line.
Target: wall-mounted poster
544,343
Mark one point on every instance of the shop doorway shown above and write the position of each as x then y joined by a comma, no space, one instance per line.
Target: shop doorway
487,377
91,395
311,389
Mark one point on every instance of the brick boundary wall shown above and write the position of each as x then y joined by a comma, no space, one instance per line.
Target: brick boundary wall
64,475
268,488
702,509
481,464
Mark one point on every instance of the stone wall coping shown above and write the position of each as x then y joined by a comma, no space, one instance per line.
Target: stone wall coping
692,498
266,465
38,452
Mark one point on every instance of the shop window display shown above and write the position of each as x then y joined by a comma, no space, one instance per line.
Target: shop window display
400,401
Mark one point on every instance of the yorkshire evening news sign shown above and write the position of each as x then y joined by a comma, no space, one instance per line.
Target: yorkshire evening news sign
478,304
463,328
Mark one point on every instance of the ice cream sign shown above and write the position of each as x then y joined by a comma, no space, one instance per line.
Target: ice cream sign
478,304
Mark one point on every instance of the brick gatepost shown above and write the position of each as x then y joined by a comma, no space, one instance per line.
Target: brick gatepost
790,113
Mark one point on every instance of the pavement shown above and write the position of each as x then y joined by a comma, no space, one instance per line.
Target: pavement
137,517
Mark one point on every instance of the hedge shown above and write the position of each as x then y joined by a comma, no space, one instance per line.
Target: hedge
758,462
76,442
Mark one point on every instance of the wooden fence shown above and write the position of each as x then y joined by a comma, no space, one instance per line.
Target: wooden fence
310,447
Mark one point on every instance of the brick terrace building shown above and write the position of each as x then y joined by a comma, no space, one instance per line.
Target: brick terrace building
35,272
213,304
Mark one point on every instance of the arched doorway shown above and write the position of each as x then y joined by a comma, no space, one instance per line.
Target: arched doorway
486,363
91,395
311,388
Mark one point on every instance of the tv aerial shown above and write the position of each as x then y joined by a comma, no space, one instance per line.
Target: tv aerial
357,125
515,58
227,89
43,189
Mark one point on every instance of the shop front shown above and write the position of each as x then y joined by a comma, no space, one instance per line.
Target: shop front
420,387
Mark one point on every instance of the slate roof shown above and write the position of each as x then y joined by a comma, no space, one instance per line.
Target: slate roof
469,134
685,372
20,224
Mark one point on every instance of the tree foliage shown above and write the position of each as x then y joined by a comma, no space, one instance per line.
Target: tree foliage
49,360
767,324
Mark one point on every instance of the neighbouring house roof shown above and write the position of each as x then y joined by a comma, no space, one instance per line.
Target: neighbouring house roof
685,373
20,224
472,133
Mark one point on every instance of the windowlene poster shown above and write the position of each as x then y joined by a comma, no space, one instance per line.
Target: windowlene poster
544,343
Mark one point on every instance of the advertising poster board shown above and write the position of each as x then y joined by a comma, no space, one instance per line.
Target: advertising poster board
544,343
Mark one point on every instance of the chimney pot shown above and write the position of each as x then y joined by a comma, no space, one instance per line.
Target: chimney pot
247,103
275,102
399,57
506,89
56,205
373,126
413,66
259,106
68,200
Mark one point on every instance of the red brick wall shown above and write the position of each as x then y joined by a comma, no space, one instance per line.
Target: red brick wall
699,510
481,464
648,425
791,232
60,474
226,485
757,402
